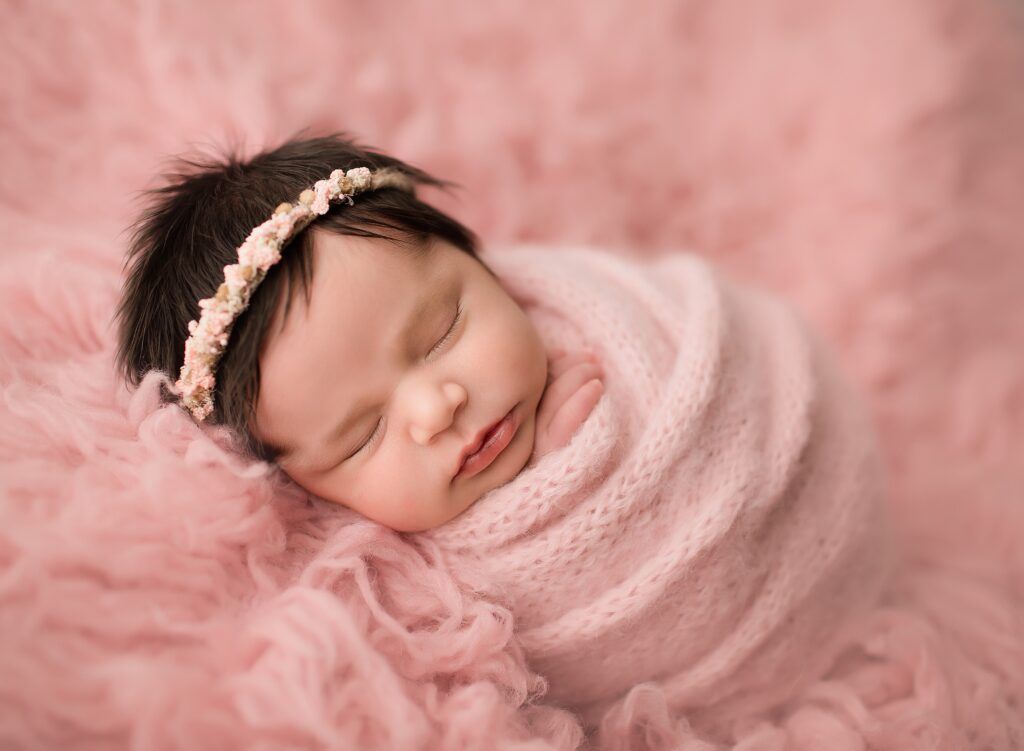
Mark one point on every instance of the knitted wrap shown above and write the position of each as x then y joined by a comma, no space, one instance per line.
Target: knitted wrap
716,525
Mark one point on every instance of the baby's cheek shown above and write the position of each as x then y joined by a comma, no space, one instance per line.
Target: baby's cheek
535,364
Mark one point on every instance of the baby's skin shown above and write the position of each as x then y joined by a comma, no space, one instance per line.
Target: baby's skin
375,388
574,386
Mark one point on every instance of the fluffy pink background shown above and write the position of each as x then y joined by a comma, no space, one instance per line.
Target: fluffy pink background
865,159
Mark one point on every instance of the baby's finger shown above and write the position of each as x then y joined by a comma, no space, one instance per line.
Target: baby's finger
557,367
562,387
574,413
575,376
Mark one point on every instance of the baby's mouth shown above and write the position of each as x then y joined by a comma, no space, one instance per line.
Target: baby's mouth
490,445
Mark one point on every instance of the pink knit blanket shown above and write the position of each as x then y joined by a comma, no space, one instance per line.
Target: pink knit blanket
717,525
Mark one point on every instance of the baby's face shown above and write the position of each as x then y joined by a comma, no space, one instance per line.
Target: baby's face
421,400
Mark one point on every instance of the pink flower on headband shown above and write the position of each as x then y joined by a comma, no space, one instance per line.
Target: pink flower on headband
261,249
233,276
322,189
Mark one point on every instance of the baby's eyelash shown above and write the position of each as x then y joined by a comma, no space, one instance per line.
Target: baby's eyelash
451,329
373,436
369,441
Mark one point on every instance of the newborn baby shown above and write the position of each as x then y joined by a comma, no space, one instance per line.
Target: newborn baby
424,384
405,356
695,523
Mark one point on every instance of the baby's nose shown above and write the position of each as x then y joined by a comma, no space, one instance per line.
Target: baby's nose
420,435
439,413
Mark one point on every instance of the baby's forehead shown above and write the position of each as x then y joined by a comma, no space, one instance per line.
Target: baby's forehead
356,266
364,260
365,283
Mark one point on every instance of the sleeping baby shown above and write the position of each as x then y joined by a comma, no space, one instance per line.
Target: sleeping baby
407,385
661,473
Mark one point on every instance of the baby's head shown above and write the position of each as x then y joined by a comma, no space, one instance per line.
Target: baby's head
366,389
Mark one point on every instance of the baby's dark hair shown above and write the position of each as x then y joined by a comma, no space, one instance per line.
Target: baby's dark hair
192,227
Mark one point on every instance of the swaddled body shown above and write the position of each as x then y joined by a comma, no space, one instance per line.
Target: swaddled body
715,525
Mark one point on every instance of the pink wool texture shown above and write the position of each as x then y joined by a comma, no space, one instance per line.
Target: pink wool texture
863,161
716,523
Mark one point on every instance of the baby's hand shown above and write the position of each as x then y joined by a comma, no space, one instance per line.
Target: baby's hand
573,389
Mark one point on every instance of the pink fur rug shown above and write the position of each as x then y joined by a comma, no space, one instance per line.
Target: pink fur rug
864,160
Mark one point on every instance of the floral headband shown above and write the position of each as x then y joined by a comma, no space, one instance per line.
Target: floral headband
261,250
